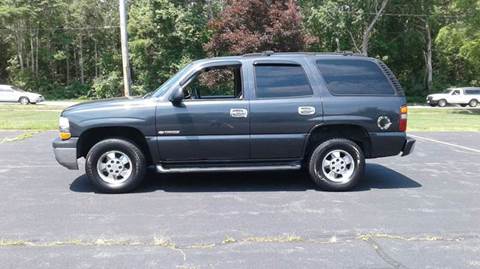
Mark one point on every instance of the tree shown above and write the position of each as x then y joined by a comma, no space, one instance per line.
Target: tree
346,23
459,43
257,25
164,36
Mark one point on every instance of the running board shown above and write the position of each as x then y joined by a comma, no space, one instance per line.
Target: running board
162,169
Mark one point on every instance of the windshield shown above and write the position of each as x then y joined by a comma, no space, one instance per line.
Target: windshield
169,83
448,91
17,89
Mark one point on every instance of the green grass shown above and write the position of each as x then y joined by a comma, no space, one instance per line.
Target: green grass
440,119
31,117
45,117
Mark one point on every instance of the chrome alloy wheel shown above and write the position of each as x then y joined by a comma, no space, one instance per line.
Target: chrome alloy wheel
338,166
114,167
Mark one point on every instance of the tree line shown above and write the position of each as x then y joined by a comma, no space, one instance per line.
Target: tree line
71,48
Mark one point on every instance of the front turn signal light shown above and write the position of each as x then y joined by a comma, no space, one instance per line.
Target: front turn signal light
65,136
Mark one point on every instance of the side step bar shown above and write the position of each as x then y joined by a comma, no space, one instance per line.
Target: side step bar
162,169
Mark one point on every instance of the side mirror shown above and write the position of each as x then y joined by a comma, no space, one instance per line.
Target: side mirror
177,96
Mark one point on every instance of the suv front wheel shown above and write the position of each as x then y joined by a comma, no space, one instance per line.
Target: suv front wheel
115,165
337,164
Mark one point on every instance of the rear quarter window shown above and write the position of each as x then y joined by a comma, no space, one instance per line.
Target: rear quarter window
354,77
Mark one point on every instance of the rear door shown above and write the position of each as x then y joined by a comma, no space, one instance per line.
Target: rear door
283,109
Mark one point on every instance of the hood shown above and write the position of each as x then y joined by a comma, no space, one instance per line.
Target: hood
112,103
437,95
32,95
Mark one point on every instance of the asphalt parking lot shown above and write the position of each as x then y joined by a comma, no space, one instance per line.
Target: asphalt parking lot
420,211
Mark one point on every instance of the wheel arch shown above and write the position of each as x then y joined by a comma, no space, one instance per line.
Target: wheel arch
90,137
23,96
323,132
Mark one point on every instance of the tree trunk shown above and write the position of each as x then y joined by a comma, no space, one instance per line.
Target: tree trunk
80,61
75,64
96,57
368,31
36,52
67,59
32,54
428,57
18,42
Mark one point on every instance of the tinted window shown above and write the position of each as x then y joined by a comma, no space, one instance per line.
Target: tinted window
350,77
281,81
472,92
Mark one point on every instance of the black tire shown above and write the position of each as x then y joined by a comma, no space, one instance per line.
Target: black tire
473,103
24,100
442,103
137,159
317,172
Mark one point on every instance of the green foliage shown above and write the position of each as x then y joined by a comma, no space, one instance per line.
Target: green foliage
107,86
70,48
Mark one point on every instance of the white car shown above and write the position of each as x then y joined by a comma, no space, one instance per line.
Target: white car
13,94
458,96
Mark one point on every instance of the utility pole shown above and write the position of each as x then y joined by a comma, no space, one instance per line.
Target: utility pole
124,40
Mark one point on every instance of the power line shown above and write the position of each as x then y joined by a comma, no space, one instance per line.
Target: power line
65,28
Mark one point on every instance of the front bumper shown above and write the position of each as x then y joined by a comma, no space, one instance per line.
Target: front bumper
430,101
38,100
409,146
66,152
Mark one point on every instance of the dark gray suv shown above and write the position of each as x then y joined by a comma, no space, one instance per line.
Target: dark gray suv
326,113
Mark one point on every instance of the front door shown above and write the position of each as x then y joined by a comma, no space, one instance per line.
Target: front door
212,122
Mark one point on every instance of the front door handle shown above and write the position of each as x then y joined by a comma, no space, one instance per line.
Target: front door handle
238,113
306,110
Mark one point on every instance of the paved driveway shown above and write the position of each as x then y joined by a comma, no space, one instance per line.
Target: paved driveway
421,211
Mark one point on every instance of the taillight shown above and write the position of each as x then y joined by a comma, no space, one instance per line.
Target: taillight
403,118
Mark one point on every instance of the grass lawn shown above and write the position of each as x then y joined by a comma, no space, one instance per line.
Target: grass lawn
45,117
30,117
443,119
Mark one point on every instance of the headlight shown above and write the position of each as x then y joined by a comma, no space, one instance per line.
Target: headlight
64,127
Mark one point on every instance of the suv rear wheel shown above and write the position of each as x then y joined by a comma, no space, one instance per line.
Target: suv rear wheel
337,164
115,165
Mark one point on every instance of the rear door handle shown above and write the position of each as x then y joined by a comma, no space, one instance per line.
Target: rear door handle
306,110
238,113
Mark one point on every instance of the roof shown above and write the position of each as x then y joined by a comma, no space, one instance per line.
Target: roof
284,56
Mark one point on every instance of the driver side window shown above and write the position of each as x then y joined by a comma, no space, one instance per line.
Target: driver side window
219,82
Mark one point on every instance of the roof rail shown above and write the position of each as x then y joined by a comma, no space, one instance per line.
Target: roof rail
270,52
263,53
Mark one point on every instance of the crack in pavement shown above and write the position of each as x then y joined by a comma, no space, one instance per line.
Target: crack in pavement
382,254
166,243
20,137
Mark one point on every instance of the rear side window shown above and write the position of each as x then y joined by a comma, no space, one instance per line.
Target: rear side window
471,92
273,81
354,77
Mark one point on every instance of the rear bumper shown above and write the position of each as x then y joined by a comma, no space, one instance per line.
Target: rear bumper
408,146
66,152
384,144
